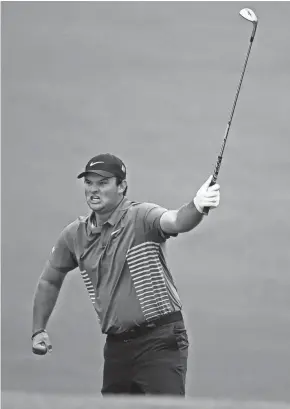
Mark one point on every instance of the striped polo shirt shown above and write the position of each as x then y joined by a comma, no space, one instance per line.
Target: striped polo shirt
122,263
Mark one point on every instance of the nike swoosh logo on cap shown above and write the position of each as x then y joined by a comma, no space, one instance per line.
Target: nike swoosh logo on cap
94,163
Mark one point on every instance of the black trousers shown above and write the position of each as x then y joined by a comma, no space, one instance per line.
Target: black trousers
152,363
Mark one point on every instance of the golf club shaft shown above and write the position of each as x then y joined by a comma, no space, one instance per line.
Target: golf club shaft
220,156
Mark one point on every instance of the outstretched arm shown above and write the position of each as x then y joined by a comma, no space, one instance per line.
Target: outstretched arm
190,214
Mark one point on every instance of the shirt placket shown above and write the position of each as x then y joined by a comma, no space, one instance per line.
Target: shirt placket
104,240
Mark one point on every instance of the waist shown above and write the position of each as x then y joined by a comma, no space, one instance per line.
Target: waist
146,327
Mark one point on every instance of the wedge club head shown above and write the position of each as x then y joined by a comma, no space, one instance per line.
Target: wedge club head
249,15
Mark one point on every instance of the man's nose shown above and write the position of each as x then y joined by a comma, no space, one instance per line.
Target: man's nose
94,188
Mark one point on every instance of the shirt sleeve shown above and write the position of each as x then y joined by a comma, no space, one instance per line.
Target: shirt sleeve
62,257
152,215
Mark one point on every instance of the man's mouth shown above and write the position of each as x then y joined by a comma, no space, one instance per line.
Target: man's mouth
95,199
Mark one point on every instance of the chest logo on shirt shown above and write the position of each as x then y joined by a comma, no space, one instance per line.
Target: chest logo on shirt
115,232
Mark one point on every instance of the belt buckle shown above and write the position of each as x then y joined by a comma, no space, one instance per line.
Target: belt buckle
129,332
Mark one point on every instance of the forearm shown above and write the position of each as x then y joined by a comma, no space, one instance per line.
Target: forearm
44,301
187,217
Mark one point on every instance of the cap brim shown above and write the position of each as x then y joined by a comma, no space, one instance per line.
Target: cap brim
97,172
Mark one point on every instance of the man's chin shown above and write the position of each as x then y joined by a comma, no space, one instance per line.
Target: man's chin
96,207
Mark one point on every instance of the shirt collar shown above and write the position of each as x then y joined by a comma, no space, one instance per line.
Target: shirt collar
122,206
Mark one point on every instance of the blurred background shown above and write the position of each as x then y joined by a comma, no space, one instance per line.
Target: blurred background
152,82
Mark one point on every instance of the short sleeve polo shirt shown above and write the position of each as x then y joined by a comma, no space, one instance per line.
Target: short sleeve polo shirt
122,264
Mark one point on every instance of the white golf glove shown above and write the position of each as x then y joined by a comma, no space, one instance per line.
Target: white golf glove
41,343
207,196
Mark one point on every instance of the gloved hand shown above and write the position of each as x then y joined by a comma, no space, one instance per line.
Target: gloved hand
207,196
41,343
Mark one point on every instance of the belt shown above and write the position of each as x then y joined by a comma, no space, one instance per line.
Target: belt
146,327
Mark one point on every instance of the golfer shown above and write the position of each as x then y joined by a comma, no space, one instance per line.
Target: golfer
119,250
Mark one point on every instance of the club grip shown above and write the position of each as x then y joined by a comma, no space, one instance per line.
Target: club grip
214,179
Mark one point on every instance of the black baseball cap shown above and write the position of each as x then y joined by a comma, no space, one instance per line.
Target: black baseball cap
106,165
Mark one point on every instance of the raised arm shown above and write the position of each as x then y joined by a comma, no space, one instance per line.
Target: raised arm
190,215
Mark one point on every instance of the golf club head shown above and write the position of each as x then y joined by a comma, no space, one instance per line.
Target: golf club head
249,15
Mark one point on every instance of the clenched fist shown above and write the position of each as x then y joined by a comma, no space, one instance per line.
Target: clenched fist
207,196
41,343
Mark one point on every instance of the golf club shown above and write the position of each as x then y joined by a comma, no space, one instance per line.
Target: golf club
249,15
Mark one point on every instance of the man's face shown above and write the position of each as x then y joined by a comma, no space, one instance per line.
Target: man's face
102,194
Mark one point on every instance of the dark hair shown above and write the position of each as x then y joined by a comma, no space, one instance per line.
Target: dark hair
119,181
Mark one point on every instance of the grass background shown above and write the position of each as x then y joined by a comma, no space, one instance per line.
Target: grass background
152,82
13,400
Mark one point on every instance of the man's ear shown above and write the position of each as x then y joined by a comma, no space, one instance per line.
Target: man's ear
122,186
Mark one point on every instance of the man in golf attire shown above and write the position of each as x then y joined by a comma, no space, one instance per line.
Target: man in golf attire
119,249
